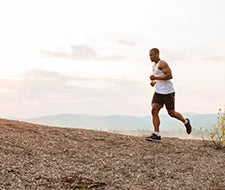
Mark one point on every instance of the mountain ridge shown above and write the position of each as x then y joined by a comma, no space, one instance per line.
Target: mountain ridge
123,122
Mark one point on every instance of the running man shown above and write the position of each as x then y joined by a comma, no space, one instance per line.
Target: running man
164,94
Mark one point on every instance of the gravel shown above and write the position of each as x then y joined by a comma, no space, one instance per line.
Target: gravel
42,157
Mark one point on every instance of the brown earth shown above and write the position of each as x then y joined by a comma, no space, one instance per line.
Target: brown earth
41,157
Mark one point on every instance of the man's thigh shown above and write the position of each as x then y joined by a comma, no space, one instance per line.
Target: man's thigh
169,101
157,99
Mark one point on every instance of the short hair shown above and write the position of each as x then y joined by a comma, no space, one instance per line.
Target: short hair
155,50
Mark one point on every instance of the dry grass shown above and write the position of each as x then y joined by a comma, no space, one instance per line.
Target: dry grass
41,157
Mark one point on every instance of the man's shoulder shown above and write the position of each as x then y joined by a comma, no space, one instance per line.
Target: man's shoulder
163,64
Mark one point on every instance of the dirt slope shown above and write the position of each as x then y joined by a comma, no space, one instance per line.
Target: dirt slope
41,157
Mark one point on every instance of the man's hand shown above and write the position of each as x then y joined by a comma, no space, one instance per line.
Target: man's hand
152,77
153,83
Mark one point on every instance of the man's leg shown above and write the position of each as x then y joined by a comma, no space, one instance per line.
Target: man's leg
157,104
155,116
170,106
176,115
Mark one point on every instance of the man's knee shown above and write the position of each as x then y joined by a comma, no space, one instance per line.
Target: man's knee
155,111
172,113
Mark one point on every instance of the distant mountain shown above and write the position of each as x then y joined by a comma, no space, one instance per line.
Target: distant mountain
123,122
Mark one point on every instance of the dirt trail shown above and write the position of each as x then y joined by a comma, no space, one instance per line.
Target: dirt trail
41,157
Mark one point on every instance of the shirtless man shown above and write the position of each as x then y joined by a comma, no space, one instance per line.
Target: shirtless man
164,94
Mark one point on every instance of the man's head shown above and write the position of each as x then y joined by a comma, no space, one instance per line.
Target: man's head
154,55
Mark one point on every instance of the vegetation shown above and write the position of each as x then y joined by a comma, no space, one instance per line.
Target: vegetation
217,133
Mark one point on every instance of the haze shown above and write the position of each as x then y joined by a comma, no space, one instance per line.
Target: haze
91,57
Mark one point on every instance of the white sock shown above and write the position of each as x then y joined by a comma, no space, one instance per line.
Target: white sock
157,133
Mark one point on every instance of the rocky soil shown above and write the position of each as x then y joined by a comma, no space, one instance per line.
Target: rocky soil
41,157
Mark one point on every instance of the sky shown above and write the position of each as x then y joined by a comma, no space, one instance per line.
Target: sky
91,57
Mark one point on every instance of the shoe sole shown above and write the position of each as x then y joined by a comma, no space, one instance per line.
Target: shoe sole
153,140
189,131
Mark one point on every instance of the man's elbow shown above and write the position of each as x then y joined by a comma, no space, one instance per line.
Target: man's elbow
170,77
167,77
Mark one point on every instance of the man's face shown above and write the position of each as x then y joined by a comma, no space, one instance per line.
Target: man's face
153,56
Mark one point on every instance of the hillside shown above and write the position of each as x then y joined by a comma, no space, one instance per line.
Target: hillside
42,157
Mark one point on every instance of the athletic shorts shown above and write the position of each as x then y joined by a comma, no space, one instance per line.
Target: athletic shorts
167,99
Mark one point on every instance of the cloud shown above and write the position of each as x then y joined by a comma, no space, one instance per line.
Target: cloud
81,52
41,85
125,42
42,92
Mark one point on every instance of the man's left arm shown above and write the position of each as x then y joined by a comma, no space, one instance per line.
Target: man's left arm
164,67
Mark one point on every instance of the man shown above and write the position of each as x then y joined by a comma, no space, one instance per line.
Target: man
164,94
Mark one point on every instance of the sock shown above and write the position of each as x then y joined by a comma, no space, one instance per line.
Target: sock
157,133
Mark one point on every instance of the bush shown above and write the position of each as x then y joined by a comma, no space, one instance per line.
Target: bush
217,133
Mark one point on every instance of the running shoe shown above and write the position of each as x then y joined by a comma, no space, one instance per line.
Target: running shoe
188,126
153,137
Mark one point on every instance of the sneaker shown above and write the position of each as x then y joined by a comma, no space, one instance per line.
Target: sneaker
153,137
188,126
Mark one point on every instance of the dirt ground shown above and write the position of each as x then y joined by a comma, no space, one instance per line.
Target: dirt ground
41,157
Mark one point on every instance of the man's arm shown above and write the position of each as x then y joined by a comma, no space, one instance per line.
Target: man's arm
166,71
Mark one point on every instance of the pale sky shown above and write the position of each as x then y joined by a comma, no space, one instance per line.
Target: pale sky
91,57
